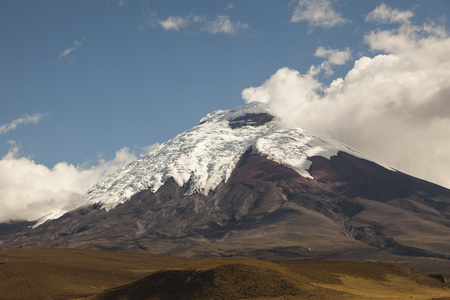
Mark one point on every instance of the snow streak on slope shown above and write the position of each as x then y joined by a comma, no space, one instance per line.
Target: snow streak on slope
206,155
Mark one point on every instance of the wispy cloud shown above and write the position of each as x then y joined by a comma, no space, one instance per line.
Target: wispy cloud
318,13
69,50
150,18
223,24
121,3
35,118
177,23
384,14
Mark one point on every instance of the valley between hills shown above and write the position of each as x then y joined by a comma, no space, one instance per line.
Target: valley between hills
51,273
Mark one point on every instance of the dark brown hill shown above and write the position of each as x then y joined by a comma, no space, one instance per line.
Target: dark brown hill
223,279
252,279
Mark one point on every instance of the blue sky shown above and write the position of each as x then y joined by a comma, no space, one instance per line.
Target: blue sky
131,83
81,80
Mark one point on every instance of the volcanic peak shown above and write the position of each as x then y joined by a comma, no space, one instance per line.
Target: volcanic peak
205,155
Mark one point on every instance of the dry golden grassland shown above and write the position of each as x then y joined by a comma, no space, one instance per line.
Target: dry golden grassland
87,274
71,273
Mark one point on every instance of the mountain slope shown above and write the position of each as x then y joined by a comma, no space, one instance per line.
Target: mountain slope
269,211
240,183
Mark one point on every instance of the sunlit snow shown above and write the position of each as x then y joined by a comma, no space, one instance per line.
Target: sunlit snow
206,155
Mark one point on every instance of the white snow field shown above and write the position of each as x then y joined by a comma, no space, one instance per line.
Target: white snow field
205,155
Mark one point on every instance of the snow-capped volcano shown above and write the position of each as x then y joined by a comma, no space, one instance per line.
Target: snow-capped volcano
242,183
206,155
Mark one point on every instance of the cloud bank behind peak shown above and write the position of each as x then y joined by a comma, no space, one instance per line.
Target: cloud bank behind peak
394,106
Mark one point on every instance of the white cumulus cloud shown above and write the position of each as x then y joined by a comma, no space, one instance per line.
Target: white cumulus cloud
318,13
404,38
334,56
394,106
29,191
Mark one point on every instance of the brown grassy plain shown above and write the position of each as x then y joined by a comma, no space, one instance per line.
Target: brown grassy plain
71,273
88,274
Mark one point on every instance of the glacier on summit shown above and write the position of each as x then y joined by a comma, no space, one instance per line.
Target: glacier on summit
206,155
